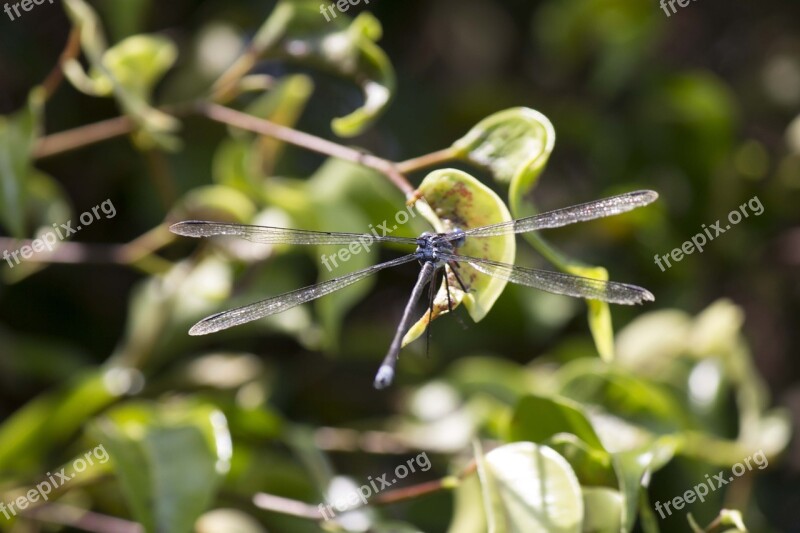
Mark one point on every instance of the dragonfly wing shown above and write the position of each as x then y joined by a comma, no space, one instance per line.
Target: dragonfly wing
273,235
558,282
568,215
282,302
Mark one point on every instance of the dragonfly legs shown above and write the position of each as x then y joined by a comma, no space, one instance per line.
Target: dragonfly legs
454,267
385,373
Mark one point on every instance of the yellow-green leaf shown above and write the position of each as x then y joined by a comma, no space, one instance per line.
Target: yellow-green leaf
515,146
18,133
461,201
603,508
297,31
129,71
169,459
532,489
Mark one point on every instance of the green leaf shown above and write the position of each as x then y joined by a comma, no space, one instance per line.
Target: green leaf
634,469
640,402
461,201
599,313
532,489
51,418
139,62
515,146
593,466
603,510
283,105
297,31
18,133
537,419
169,458
468,513
129,71
218,202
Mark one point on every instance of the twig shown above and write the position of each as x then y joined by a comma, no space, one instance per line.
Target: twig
67,515
279,504
427,160
136,253
415,491
244,121
82,136
71,51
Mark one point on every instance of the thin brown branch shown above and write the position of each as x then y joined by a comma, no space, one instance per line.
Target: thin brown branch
71,51
424,161
244,121
79,137
415,491
67,515
138,252
279,504
64,253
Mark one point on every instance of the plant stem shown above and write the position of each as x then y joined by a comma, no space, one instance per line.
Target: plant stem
287,506
137,253
427,160
71,51
415,491
79,137
244,121
67,515
279,504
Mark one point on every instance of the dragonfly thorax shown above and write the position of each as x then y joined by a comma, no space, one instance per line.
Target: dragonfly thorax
430,245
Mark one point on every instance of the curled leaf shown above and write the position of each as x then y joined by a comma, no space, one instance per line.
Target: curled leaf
297,31
129,71
461,201
515,146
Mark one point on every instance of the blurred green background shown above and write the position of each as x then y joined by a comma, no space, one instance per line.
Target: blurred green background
702,106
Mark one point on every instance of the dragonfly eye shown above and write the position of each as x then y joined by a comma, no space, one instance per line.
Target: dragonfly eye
461,237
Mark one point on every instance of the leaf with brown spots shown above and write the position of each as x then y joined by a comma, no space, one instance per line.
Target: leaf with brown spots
461,201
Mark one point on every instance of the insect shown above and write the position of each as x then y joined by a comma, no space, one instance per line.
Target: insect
434,251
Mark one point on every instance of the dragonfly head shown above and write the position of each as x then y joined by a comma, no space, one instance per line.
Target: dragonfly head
459,240
430,245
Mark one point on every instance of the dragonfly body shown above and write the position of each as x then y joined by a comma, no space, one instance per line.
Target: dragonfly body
434,251
432,246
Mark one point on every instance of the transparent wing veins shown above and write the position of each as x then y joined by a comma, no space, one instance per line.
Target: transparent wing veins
605,207
558,282
273,235
282,302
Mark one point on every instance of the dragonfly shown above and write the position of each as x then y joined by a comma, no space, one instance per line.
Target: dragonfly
434,251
